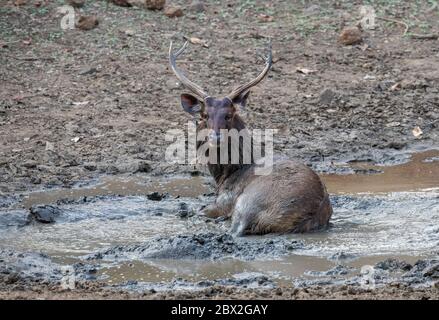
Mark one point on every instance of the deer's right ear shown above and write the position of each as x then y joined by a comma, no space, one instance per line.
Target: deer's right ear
190,104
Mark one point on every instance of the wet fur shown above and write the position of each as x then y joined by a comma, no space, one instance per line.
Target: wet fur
291,199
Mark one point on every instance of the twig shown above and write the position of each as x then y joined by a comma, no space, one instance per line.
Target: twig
406,26
32,58
432,8
428,36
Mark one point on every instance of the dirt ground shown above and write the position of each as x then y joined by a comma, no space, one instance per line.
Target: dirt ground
95,291
76,105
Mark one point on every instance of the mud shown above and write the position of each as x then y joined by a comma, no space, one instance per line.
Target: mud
139,247
201,246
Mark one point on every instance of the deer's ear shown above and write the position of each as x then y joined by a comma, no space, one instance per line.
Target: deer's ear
190,103
241,100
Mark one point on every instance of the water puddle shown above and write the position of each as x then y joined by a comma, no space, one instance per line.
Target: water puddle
123,186
131,236
421,172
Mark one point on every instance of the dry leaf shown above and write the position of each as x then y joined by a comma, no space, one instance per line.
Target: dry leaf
350,36
19,2
417,132
76,139
27,42
50,146
305,70
195,40
129,32
81,103
395,87
265,18
87,22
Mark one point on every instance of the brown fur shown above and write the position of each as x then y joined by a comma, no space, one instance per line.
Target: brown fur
291,199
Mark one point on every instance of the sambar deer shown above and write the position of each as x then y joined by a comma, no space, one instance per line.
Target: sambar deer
292,198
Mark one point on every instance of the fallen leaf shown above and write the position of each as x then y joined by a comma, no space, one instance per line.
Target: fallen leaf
305,70
265,18
129,32
80,103
76,139
27,42
50,146
395,87
393,124
195,40
19,2
369,77
87,22
417,132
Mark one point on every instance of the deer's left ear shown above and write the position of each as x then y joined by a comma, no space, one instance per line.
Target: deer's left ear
241,100
190,104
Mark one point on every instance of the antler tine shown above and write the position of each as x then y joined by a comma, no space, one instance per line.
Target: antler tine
196,89
268,62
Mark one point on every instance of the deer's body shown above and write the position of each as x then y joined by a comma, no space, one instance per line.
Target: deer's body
292,198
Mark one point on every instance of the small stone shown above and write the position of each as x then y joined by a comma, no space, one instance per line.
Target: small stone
155,196
30,164
44,213
35,180
11,278
50,146
312,10
129,32
90,166
350,36
143,167
327,96
121,3
184,211
197,7
173,84
173,12
87,23
87,70
155,4
77,3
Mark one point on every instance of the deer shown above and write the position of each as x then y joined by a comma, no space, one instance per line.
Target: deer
291,199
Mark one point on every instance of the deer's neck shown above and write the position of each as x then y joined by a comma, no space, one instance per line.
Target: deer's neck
222,171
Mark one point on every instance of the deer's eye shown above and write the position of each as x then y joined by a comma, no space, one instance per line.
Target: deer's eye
228,117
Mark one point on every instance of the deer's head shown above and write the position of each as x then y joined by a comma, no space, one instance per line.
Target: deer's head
215,113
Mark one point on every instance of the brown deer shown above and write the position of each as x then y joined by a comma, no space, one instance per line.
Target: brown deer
292,198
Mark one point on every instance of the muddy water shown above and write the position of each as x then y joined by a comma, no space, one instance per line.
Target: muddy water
390,214
123,186
421,172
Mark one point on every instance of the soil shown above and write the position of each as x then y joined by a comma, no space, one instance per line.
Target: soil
78,105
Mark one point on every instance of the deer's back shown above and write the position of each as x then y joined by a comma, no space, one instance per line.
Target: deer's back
290,199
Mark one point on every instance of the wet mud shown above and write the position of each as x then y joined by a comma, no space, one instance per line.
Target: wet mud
131,236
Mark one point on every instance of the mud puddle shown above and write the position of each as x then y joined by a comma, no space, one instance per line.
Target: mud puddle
421,172
140,234
123,186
